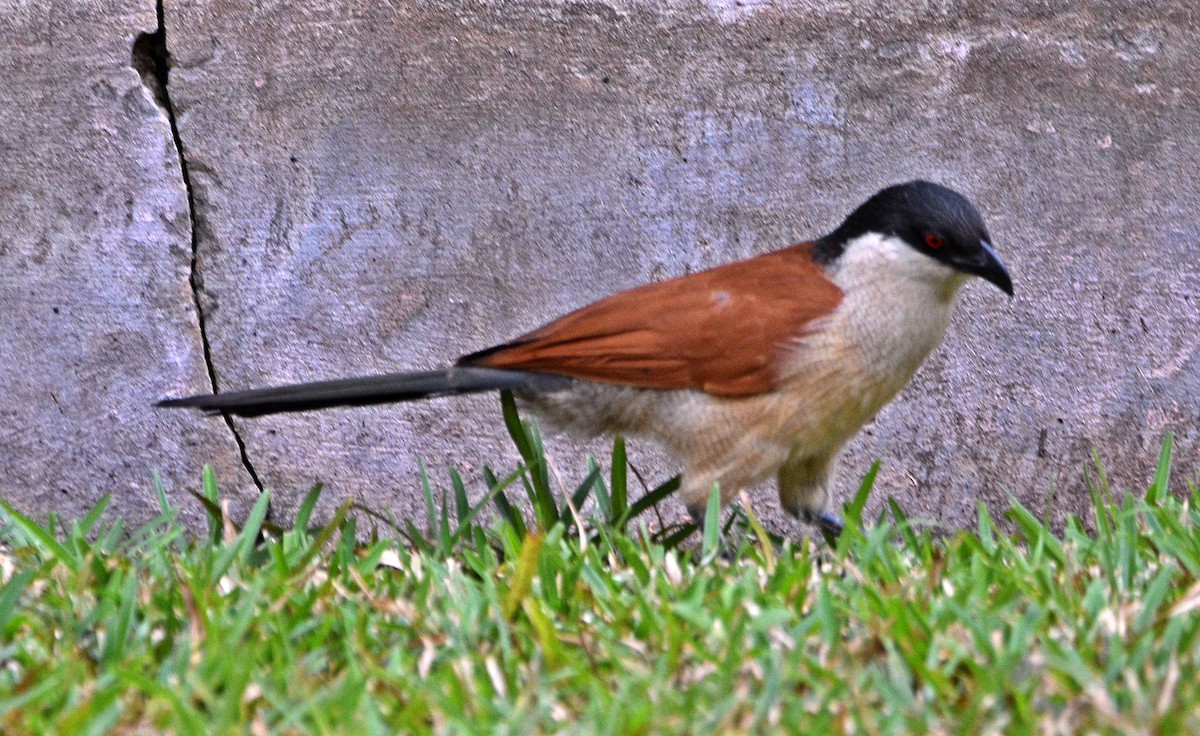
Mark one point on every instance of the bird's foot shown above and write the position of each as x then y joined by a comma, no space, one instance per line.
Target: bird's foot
829,524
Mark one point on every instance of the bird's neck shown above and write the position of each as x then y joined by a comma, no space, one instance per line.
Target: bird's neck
897,302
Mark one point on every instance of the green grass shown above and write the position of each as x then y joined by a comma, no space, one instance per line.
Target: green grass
603,628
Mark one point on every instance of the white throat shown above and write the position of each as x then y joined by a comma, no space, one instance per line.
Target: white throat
897,304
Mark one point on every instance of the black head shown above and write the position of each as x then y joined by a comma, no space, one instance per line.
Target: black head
934,220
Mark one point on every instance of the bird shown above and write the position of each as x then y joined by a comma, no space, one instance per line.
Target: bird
756,368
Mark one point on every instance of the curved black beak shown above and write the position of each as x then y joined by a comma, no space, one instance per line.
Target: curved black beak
987,266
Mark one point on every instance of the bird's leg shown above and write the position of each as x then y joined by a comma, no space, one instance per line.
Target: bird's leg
804,493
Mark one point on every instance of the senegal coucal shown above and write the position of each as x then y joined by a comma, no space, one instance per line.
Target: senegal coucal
759,367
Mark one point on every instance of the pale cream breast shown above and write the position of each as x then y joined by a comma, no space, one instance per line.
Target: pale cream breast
897,305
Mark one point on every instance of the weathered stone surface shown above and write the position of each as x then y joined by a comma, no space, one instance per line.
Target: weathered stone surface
391,186
382,186
95,250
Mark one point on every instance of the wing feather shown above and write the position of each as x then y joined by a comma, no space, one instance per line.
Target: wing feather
723,331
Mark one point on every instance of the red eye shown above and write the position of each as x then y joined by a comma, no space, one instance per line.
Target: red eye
934,241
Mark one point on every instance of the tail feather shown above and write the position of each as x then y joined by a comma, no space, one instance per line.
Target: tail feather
368,390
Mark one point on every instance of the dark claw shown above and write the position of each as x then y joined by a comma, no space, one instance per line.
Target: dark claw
831,526
829,523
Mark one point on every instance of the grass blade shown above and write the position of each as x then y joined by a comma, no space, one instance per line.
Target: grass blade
650,499
619,480
852,511
427,493
444,534
212,498
711,544
85,525
325,533
462,505
603,499
512,422
522,580
10,594
579,497
416,538
160,493
1162,474
510,513
304,513
764,539
40,537
243,544
1036,533
675,538
530,448
495,491
903,527
544,630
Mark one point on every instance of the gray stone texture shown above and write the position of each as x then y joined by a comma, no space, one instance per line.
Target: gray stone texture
94,259
381,186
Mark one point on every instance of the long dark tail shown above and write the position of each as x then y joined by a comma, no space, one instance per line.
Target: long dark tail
369,390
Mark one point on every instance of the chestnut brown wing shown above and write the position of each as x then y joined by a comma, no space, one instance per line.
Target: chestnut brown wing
722,331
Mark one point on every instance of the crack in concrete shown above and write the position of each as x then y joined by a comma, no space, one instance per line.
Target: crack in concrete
152,60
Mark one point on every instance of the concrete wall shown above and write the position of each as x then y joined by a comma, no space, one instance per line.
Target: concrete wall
373,186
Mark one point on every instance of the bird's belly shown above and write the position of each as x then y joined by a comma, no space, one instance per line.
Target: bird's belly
588,408
824,414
